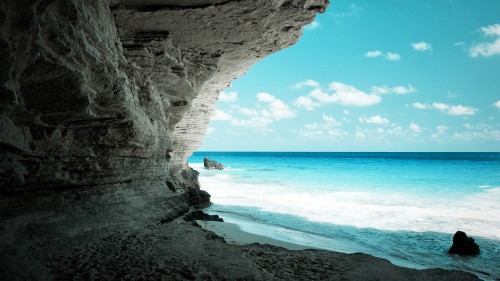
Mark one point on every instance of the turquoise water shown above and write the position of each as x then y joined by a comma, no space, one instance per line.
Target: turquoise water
401,206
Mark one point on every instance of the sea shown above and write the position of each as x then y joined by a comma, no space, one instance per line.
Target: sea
404,207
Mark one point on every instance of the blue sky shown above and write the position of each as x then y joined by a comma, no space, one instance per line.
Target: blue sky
391,75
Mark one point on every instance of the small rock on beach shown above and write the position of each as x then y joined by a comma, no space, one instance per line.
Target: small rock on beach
212,165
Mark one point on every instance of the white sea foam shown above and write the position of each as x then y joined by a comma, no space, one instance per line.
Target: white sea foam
395,208
488,186
477,213
196,166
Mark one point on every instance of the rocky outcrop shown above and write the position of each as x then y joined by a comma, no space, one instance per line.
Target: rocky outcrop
200,215
100,93
464,245
212,165
101,103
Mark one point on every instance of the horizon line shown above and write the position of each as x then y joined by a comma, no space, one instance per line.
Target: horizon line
283,151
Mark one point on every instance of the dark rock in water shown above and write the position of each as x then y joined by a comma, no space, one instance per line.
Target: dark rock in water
463,245
212,165
198,198
200,215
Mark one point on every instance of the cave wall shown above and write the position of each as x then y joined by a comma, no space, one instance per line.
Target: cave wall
98,96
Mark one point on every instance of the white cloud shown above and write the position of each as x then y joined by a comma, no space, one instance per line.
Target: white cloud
330,120
461,110
379,90
419,105
389,55
221,116
441,130
249,112
273,110
478,132
348,95
492,30
373,54
344,94
306,103
328,128
421,46
497,104
455,109
323,97
228,97
487,49
277,109
401,90
265,97
392,56
377,119
313,25
346,112
415,128
446,108
440,106
308,83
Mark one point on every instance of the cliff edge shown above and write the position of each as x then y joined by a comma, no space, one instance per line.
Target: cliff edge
101,103
111,97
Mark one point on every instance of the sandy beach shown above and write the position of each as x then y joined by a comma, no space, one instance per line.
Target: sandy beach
234,235
180,250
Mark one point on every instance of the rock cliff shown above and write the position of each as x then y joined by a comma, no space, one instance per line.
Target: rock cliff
103,101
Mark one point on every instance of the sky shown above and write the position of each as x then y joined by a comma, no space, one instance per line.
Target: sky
389,75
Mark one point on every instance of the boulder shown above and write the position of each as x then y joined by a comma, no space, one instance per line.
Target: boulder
463,245
202,216
212,165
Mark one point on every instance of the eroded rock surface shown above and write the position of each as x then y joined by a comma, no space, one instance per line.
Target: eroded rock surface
101,103
97,93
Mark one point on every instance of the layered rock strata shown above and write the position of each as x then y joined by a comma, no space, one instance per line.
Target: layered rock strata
113,93
101,103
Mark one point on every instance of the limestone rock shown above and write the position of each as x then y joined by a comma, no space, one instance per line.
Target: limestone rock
101,103
212,165
96,93
463,245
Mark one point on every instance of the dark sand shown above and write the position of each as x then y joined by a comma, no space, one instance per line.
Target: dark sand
183,251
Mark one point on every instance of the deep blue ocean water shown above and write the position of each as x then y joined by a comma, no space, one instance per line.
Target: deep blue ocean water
401,206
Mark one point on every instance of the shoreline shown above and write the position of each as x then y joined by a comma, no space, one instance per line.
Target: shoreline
360,266
235,235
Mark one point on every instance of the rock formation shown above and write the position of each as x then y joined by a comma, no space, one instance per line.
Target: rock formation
212,165
463,245
101,103
117,94
200,215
